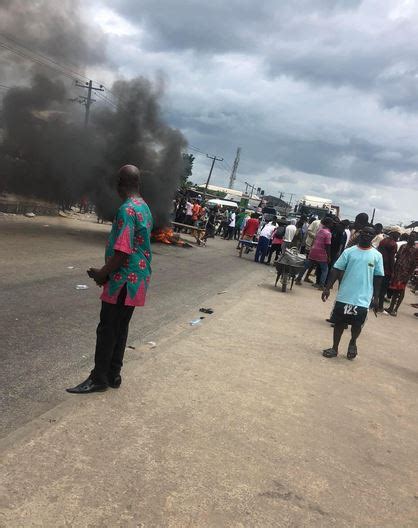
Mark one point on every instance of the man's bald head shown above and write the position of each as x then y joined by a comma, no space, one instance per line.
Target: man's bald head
128,180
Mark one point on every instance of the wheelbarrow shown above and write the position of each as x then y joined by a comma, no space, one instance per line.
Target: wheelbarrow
288,267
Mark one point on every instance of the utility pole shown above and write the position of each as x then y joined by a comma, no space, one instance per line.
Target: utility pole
88,101
234,169
252,187
213,158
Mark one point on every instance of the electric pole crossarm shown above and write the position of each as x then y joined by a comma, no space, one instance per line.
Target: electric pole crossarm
88,101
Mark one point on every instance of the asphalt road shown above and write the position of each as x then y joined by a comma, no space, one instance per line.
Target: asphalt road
47,326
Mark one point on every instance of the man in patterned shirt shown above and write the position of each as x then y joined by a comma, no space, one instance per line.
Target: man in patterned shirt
125,278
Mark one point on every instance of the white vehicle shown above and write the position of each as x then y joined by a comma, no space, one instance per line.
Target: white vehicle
316,206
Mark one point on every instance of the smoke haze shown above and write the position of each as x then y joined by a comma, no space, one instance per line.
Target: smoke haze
45,151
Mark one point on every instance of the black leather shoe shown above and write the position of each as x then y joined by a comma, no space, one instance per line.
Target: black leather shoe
115,382
87,386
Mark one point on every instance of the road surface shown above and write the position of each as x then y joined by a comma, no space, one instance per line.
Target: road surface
47,326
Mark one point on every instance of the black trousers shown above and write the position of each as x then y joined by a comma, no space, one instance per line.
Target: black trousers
383,291
274,248
229,234
112,334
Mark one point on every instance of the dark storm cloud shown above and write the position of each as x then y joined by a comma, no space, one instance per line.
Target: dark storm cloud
384,63
218,26
355,159
320,42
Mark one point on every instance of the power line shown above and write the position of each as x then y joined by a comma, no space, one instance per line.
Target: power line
43,60
40,56
197,149
36,60
107,100
228,166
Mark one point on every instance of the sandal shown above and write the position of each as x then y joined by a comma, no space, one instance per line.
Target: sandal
330,353
352,351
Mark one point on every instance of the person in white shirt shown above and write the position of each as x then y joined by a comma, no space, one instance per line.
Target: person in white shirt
347,234
310,236
231,226
189,213
402,240
264,240
289,234
378,228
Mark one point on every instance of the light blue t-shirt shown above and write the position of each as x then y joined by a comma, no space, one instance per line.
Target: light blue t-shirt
360,266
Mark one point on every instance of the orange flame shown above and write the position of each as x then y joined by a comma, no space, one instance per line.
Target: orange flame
166,236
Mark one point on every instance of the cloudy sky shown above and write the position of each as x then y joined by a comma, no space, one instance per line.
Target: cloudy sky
321,95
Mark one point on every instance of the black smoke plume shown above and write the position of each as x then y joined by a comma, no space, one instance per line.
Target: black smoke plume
46,152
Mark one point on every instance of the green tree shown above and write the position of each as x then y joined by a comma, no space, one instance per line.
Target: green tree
188,160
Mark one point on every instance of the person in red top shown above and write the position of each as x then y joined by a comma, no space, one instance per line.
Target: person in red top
250,230
251,227
320,253
406,262
277,242
195,211
388,249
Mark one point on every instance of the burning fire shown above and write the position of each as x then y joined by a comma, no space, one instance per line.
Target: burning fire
167,236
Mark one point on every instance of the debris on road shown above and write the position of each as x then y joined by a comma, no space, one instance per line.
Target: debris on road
131,347
196,321
81,287
223,291
206,310
70,267
152,344
30,215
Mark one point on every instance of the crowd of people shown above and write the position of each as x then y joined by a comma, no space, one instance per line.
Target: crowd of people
371,265
323,241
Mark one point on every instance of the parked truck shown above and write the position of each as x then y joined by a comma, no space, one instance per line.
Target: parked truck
315,206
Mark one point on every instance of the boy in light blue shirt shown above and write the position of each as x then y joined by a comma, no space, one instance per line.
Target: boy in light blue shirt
360,271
